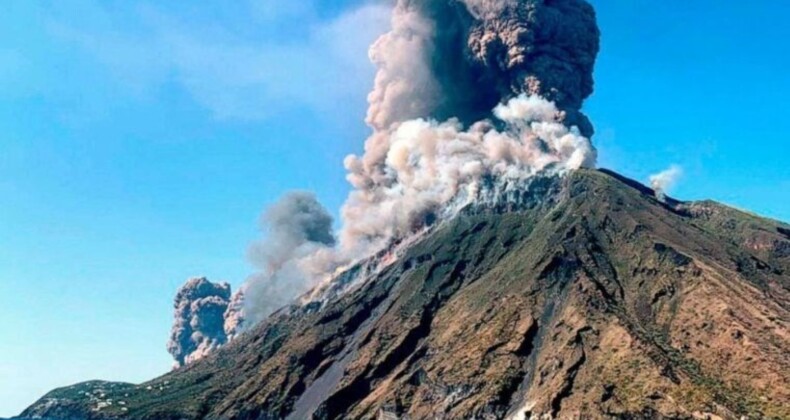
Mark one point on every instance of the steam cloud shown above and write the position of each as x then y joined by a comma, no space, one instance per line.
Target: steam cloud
470,97
663,181
199,317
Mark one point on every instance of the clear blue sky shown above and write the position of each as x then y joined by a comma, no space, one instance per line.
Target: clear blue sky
139,142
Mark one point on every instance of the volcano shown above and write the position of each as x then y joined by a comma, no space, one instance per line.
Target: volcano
586,297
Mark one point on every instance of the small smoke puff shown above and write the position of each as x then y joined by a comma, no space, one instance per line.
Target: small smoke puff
299,215
198,326
297,228
665,180
295,220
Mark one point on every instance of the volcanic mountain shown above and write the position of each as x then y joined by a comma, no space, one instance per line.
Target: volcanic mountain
584,296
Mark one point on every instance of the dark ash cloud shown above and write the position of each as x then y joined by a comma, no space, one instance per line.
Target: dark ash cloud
198,327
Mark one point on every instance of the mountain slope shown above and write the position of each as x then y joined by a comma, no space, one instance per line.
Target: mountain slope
589,298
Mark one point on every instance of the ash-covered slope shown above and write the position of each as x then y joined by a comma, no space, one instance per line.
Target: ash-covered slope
591,299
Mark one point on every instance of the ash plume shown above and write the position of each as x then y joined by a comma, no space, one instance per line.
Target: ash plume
663,181
199,318
469,95
460,58
466,90
297,229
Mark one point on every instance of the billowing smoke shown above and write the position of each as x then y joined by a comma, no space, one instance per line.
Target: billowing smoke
470,97
663,181
432,169
298,231
234,315
199,318
468,90
460,58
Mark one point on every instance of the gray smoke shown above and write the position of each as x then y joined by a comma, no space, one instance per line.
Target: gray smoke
539,47
198,327
297,229
295,220
460,58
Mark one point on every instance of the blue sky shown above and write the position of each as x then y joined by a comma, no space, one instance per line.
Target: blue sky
139,143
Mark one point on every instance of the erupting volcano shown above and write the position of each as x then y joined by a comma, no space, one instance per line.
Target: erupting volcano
483,268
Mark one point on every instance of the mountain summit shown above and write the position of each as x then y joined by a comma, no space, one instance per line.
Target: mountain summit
589,298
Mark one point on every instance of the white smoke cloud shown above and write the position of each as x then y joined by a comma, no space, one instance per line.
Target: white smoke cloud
665,180
430,164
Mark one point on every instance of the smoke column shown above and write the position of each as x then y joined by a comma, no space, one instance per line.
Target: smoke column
198,324
453,58
470,97
297,230
467,90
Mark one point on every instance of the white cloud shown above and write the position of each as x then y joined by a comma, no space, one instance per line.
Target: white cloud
237,75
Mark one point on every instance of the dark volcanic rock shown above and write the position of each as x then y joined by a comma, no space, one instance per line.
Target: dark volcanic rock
598,301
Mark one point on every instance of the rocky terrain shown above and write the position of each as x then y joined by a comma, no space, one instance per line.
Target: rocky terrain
586,298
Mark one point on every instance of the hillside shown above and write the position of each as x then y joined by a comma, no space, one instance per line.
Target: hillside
590,297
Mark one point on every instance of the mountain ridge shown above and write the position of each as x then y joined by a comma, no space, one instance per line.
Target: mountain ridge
599,300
